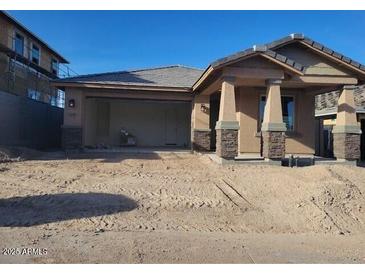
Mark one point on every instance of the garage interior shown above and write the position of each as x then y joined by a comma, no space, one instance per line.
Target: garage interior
151,123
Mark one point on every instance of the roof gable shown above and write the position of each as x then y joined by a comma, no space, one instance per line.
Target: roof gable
318,48
313,62
258,51
272,50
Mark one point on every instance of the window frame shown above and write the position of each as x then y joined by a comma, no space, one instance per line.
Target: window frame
37,93
54,60
16,32
32,44
294,112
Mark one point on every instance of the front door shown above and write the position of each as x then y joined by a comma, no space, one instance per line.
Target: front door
171,126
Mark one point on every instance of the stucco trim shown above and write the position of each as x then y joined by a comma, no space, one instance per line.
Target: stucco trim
346,129
202,129
273,127
227,125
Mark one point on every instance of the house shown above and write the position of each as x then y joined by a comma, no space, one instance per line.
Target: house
326,109
30,107
27,63
260,101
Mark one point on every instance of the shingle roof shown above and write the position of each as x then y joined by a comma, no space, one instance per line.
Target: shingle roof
326,103
169,76
270,48
255,50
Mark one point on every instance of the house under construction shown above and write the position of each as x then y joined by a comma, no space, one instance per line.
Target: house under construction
30,108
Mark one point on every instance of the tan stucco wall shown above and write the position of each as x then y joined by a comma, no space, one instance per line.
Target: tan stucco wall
303,140
200,119
316,64
74,117
248,111
299,142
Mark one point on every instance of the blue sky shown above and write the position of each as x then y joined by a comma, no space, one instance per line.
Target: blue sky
99,41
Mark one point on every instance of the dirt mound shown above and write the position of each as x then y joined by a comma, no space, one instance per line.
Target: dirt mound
4,158
13,154
185,192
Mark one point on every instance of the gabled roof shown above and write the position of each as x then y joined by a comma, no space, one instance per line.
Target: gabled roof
175,76
269,49
326,103
21,27
311,43
255,50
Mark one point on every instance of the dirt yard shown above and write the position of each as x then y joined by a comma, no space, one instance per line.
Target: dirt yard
179,208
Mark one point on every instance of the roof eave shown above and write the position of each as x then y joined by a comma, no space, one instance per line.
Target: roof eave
62,84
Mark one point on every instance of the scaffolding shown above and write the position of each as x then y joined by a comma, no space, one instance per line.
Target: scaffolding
20,76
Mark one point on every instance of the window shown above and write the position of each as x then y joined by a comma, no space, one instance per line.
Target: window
54,66
19,44
60,98
34,95
287,107
35,54
53,100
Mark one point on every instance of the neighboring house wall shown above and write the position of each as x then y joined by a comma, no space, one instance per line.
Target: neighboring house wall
7,36
326,108
25,122
17,77
326,104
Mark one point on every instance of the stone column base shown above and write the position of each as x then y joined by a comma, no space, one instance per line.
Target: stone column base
346,146
227,143
71,137
201,139
273,144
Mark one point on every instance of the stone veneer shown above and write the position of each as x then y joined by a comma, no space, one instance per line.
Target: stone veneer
273,144
227,143
71,137
201,140
346,146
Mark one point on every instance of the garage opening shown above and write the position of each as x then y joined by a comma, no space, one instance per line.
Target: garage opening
148,123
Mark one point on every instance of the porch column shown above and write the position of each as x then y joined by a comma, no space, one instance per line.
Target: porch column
200,123
73,119
272,128
227,125
347,132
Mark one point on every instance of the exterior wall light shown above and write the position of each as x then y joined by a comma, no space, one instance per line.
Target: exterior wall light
204,108
71,103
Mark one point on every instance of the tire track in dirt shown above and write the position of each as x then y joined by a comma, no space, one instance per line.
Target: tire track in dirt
233,195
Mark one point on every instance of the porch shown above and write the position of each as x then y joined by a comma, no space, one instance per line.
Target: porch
259,106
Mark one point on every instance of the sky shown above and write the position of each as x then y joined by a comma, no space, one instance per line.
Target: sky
103,41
